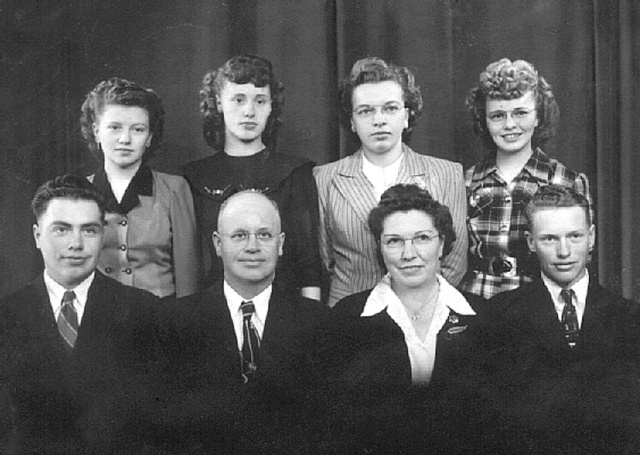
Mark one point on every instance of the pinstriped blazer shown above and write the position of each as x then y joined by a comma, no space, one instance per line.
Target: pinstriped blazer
345,195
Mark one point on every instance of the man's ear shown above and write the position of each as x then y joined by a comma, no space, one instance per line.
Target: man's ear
592,237
530,243
36,235
280,250
217,243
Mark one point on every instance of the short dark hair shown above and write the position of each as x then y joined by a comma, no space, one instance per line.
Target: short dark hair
508,80
403,198
374,69
68,186
556,196
121,92
242,69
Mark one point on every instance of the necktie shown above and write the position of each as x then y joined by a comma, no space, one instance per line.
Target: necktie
68,320
569,318
250,353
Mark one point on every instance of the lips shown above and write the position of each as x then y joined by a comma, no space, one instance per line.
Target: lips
564,266
511,137
76,260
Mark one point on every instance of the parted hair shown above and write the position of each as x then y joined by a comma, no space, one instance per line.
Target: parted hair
403,198
121,92
68,186
506,80
242,69
556,196
374,69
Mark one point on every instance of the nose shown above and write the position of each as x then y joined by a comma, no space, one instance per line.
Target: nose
563,248
252,243
379,118
409,250
509,122
125,136
76,242
249,109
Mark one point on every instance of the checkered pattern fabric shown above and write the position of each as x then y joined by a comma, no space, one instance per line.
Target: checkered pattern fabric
496,221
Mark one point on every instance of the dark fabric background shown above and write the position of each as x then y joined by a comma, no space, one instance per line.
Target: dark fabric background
53,52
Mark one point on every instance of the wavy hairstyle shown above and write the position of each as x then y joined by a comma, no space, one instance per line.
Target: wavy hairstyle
242,69
403,198
374,69
509,80
121,92
68,186
553,197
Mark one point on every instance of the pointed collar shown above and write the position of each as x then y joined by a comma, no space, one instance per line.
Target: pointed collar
537,166
352,166
141,185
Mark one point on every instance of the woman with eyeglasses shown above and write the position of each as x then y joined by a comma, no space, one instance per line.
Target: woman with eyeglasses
412,330
514,112
380,104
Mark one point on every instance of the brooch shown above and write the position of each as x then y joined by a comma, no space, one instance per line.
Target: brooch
211,192
453,331
453,319
420,183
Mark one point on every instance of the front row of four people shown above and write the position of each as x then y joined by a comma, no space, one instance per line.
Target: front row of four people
84,370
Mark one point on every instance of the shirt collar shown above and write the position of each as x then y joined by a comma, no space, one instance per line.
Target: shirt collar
580,288
260,301
537,166
56,292
381,177
141,185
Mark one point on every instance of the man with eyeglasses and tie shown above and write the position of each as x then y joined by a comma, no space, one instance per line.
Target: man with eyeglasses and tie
564,335
74,345
237,352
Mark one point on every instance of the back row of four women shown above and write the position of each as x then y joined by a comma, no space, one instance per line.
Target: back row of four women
156,229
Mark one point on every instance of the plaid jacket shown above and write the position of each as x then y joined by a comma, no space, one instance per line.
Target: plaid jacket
496,221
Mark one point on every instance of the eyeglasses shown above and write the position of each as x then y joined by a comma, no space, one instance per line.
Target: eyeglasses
395,242
367,110
518,115
242,237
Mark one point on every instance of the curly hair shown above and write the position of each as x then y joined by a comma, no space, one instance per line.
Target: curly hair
242,69
509,80
68,186
121,92
555,196
374,69
403,198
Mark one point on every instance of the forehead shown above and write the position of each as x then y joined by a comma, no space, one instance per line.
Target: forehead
71,211
377,93
249,211
231,89
525,101
559,219
407,222
120,113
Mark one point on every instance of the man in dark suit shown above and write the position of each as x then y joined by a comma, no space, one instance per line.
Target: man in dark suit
73,343
237,352
563,334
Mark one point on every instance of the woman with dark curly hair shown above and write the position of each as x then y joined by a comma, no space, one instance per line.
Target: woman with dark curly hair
380,104
241,107
150,233
514,112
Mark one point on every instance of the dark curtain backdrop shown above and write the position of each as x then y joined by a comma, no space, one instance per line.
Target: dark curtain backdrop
52,52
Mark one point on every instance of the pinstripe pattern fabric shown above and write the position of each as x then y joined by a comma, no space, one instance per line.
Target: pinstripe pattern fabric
496,220
347,247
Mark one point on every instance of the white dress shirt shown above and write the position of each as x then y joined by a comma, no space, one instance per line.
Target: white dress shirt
580,300
422,353
56,292
259,317
381,177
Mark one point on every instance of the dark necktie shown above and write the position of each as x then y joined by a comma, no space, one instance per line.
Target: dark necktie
250,353
569,318
68,320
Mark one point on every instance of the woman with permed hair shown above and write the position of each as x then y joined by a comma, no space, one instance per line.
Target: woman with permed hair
150,232
514,112
241,110
380,104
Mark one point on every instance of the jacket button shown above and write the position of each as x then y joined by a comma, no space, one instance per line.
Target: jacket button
123,247
127,271
123,222
108,270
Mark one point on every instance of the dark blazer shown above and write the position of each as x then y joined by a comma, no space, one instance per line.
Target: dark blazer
63,403
554,398
206,403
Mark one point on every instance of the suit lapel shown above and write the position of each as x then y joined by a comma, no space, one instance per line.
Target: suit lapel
354,186
46,321
412,171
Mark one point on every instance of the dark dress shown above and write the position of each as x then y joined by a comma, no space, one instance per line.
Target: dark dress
286,179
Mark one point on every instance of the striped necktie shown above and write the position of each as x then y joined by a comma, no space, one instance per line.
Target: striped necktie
250,353
569,318
68,320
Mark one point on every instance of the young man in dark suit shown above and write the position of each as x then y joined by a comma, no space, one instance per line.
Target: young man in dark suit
73,343
237,353
564,335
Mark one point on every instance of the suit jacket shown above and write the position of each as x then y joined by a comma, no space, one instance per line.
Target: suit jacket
554,398
81,401
206,403
347,247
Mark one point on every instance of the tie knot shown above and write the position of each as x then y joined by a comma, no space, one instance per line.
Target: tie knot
68,297
567,295
248,308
